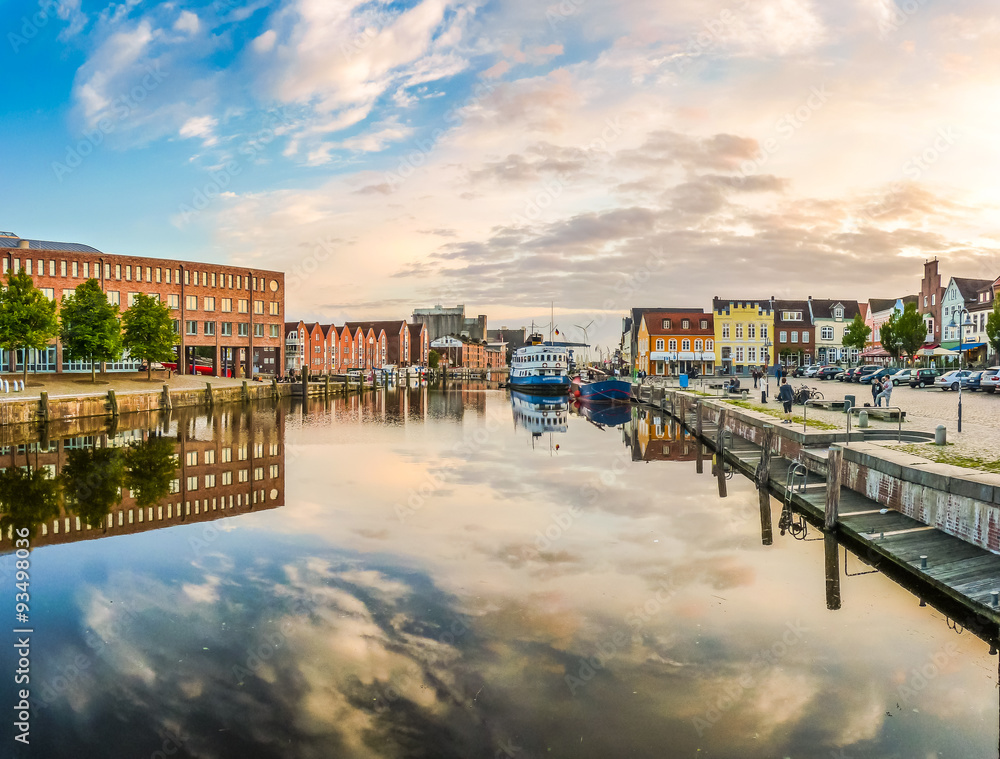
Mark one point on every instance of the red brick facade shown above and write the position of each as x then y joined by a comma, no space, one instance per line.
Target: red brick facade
327,349
228,317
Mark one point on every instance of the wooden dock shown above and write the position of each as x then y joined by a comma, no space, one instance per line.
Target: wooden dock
960,579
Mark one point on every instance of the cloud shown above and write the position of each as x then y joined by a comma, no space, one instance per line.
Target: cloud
201,127
187,22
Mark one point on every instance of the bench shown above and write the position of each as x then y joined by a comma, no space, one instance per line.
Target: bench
883,414
743,392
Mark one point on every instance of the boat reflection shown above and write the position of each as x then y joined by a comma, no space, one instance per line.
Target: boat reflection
539,413
604,414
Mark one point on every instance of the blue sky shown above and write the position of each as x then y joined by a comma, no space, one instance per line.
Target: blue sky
600,154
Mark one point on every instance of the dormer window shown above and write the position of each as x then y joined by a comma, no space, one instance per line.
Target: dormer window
838,313
666,324
685,324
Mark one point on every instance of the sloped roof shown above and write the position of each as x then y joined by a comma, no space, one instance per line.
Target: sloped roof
823,309
71,247
969,288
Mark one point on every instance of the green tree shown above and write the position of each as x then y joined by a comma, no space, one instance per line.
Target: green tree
27,498
27,318
92,480
91,329
856,334
148,331
889,337
910,331
993,326
432,360
150,467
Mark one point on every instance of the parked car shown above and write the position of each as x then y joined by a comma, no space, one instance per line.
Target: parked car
923,377
952,380
798,371
848,374
810,371
863,371
828,372
902,377
866,378
990,380
974,381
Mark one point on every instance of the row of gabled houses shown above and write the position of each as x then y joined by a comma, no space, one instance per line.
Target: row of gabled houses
738,334
329,349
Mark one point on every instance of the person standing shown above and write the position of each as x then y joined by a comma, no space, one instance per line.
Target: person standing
876,389
786,396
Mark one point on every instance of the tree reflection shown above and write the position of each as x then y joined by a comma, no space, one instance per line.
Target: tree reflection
92,480
151,467
27,498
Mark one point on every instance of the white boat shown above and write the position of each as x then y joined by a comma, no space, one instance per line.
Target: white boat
538,368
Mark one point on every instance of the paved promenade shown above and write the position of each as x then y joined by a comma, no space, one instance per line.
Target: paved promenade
79,384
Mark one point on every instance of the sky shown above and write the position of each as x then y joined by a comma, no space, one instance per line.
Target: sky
517,157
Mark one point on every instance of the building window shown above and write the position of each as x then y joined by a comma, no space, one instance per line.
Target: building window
782,337
86,269
795,336
805,337
752,354
659,344
672,346
49,292
239,282
739,330
227,478
177,326
725,331
666,324
685,324
209,328
275,330
275,308
204,279
62,268
174,300
118,271
209,480
685,345
242,329
752,331
192,483
209,304
258,330
925,301
131,299
213,279
697,345
191,302
739,354
192,328
704,323
227,329
128,273
191,459
258,306
114,297
187,277
76,270
709,346
226,305
933,299
244,305
826,333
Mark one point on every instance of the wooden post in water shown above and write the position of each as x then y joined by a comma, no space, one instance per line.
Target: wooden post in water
305,383
165,402
43,400
208,394
832,563
699,465
720,453
763,479
698,413
833,488
112,403
326,386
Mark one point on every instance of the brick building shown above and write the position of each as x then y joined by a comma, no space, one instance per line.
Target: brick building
328,349
227,317
471,354
794,333
929,303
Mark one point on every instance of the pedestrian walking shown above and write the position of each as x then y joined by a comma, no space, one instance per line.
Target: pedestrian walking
786,396
876,389
886,393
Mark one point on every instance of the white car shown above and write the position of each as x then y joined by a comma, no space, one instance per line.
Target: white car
953,380
990,380
902,377
811,371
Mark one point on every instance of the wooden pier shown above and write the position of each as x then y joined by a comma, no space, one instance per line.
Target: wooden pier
955,576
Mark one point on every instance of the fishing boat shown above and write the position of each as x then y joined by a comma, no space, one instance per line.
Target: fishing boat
600,390
539,368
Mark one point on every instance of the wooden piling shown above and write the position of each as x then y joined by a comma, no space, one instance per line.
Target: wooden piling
43,404
210,399
275,390
112,403
720,453
764,467
833,476
832,565
698,418
326,386
246,392
165,400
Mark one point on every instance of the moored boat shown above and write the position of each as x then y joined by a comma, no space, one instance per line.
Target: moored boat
538,368
605,390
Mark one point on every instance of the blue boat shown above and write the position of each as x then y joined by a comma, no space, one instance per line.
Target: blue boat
606,391
539,368
614,415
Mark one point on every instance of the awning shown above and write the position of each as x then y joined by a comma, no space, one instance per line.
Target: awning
685,356
663,356
708,357
969,346
875,352
938,352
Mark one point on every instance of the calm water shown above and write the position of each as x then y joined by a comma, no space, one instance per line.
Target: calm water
453,575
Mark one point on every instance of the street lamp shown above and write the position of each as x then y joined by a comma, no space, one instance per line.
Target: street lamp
767,354
962,324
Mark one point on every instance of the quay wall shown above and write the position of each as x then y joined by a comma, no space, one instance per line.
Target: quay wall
961,502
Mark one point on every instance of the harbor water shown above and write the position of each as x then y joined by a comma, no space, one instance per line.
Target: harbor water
454,573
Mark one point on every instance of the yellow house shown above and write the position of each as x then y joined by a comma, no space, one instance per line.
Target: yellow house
744,334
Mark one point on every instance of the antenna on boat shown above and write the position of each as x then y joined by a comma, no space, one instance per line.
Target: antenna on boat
552,318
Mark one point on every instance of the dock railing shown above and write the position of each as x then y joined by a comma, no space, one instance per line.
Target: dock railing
899,419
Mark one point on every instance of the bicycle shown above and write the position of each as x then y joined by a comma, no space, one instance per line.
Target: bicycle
805,393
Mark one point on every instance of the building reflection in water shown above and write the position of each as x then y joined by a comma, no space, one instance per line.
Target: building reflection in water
656,436
171,468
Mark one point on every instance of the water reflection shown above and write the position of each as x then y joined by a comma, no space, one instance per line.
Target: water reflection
540,413
520,606
170,470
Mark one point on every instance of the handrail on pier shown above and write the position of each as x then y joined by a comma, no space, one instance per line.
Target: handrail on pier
899,420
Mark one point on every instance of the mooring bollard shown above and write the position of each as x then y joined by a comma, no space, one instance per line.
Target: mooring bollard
923,562
941,435
862,419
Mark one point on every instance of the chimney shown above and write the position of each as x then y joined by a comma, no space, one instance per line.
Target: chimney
23,244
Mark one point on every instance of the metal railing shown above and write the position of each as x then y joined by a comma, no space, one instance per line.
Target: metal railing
805,409
899,419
